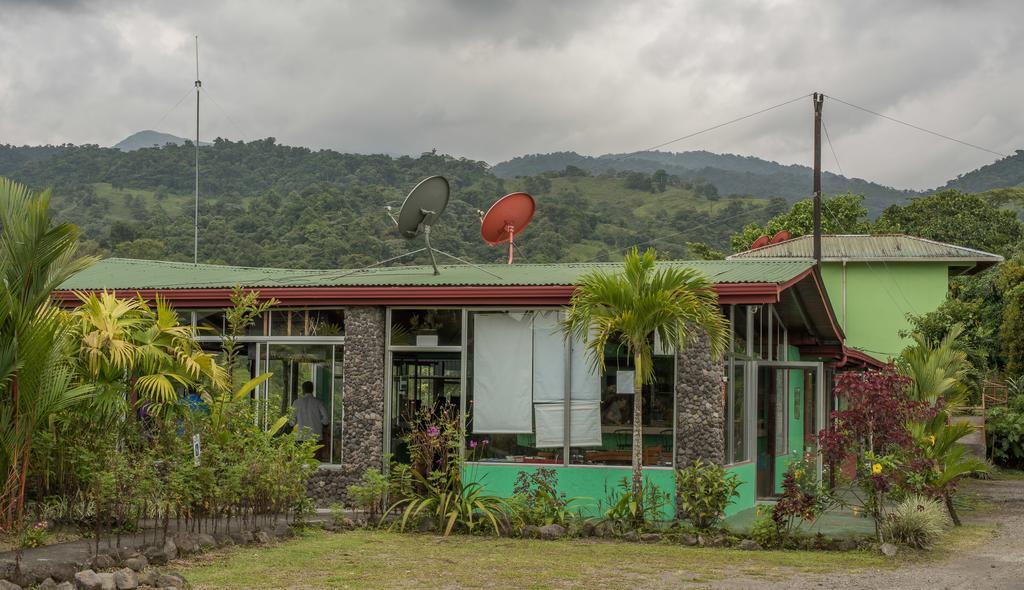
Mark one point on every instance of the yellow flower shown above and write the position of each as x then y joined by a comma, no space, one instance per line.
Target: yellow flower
931,439
876,468
798,473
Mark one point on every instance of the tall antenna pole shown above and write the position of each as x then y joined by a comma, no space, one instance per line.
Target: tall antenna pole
819,99
199,84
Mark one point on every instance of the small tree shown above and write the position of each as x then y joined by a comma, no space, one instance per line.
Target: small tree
873,429
630,308
937,371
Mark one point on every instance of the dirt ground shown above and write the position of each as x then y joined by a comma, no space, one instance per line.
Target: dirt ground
996,563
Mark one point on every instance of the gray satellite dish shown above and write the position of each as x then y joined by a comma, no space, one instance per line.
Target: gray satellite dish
423,206
420,210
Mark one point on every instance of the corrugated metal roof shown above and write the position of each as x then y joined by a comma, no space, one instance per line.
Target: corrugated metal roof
894,247
121,273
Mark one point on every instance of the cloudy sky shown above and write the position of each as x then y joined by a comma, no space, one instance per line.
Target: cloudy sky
492,80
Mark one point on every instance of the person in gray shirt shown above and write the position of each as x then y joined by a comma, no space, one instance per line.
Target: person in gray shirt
310,415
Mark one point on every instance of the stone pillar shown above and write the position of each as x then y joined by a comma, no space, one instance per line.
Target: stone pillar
700,411
363,399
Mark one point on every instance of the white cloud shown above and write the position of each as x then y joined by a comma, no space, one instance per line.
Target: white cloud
492,80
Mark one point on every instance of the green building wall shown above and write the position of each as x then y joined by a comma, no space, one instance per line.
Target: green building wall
592,487
878,298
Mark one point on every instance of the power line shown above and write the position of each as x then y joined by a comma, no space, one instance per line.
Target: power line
918,127
832,149
237,127
720,125
835,219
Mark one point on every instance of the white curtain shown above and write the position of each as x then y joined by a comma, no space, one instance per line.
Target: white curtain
548,358
585,417
502,373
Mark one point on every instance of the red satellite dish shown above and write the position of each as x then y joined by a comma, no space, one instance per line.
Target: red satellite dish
507,217
760,243
782,236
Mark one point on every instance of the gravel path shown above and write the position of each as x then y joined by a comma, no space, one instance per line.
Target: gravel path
997,563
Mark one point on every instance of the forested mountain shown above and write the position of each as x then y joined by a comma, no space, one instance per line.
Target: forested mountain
148,138
1006,172
730,173
267,204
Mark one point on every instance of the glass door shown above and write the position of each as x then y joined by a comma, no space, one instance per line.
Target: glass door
422,382
305,380
788,415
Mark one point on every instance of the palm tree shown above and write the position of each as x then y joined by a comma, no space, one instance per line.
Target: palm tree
629,309
129,347
36,372
937,371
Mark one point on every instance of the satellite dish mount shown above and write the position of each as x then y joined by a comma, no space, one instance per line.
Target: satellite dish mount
507,217
420,211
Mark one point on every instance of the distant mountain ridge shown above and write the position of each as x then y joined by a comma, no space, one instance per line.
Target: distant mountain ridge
1007,172
730,173
148,139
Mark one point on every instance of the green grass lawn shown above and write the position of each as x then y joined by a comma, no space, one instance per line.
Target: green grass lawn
376,559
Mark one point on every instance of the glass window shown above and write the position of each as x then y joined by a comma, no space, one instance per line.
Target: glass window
737,411
213,322
739,329
617,399
307,322
305,379
210,322
515,408
426,327
421,381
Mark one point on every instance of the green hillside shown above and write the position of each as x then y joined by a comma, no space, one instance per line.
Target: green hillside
1006,172
267,204
729,173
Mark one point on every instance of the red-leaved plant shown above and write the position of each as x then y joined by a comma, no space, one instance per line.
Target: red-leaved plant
873,430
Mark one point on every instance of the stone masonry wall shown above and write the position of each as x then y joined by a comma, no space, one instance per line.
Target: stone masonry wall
363,397
700,411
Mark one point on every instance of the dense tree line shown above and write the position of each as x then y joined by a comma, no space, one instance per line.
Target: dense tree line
265,204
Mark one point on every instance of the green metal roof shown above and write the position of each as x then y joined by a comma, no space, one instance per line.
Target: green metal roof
888,247
122,273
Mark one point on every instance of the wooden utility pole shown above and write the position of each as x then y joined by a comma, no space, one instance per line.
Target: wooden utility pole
819,99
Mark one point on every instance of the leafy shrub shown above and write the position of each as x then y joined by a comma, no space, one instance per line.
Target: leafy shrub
916,521
628,512
450,504
35,535
400,481
1004,430
803,498
704,491
766,531
537,500
370,494
437,491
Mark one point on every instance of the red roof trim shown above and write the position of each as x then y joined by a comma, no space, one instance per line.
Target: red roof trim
728,293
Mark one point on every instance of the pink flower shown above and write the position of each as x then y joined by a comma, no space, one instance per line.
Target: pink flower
433,432
472,444
486,442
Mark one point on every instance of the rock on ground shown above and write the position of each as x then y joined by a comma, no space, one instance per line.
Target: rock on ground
5,585
87,580
126,579
137,563
551,532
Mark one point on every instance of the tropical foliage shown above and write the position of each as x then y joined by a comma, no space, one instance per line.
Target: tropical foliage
937,371
37,373
703,492
630,309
